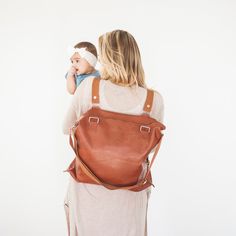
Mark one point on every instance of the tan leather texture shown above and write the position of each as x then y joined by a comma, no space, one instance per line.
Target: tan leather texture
110,147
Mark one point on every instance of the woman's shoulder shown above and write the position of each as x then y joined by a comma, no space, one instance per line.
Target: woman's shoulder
84,92
158,106
158,98
84,85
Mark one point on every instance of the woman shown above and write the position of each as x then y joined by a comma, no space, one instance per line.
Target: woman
92,209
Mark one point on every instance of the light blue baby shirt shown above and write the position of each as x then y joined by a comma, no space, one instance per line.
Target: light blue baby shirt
80,78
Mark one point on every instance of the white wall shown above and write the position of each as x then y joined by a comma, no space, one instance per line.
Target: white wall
188,51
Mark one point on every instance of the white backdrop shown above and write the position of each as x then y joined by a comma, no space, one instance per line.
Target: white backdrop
188,51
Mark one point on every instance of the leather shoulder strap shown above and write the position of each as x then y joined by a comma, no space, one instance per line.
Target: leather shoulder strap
95,90
95,95
149,101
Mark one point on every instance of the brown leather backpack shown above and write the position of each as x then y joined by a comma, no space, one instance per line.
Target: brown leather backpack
110,147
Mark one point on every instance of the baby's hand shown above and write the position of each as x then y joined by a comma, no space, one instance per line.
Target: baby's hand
71,71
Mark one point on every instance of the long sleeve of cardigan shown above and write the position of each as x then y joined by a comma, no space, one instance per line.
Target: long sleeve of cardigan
75,108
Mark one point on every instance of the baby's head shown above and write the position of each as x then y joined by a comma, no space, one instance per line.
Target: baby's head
83,56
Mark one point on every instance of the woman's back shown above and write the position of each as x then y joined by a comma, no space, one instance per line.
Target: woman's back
124,209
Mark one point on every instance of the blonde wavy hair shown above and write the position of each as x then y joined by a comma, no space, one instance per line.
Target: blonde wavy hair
120,59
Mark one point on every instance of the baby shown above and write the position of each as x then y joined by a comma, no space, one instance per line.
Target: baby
83,57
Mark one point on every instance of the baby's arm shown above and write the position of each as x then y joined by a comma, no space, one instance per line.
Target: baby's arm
71,83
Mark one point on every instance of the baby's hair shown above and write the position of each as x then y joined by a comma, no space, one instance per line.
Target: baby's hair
89,47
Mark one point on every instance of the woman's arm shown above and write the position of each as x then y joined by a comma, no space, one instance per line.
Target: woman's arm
69,120
74,111
157,109
80,103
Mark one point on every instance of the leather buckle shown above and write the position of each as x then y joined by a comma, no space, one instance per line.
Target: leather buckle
93,117
145,128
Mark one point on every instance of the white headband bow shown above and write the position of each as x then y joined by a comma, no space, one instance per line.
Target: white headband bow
88,56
